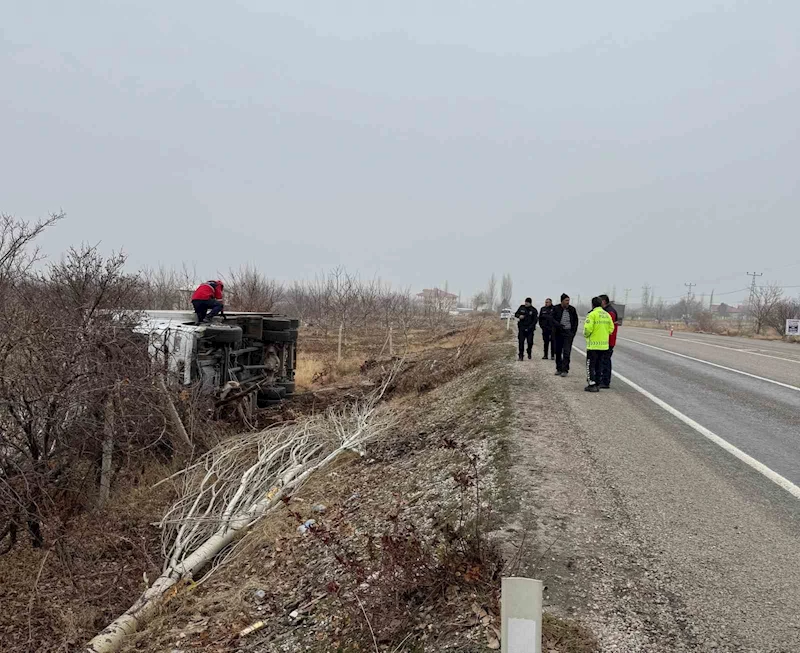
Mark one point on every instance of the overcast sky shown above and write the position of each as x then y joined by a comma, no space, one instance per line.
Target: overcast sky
577,145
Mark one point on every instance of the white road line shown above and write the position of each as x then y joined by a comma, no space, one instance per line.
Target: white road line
743,351
760,467
722,367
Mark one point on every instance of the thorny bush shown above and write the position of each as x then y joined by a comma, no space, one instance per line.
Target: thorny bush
390,582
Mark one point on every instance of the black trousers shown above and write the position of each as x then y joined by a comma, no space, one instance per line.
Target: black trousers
549,342
206,308
605,372
594,365
563,347
525,335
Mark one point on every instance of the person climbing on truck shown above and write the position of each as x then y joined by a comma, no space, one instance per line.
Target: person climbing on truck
207,300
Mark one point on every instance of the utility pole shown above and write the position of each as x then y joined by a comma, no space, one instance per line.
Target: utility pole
627,293
711,302
753,288
689,293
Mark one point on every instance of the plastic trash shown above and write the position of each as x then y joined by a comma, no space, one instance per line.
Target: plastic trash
304,528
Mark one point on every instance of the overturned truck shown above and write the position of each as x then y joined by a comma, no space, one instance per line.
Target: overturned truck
249,355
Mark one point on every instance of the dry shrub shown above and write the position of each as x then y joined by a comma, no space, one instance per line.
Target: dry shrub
432,367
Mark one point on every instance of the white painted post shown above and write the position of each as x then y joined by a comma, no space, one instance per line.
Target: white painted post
508,323
339,353
521,615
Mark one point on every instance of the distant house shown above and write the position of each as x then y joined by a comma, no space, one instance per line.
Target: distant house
440,299
728,312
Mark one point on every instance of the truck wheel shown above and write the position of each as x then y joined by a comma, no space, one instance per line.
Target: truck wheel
222,334
290,335
295,323
272,392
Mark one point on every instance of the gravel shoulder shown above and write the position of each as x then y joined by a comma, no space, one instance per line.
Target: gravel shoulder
641,529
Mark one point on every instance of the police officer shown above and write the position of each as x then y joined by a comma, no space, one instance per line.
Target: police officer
547,328
527,316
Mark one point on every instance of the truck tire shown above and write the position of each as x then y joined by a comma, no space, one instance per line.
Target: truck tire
271,396
222,334
290,335
295,323
277,323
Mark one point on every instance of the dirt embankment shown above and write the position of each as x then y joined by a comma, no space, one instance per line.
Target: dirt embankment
405,551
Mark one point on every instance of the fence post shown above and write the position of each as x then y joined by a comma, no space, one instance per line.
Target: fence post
339,352
521,615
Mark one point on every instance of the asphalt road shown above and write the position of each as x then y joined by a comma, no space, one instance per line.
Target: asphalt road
720,540
750,410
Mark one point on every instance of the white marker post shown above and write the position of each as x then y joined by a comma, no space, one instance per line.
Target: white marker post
508,323
521,615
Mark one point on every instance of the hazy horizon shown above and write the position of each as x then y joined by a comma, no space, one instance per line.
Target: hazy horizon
578,150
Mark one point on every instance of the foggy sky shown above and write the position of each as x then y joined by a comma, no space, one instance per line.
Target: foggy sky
578,146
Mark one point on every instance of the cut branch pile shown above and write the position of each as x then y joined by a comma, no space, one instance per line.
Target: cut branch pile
236,484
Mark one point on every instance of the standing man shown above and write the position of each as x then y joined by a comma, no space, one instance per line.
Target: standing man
207,300
605,377
526,314
545,313
564,320
596,329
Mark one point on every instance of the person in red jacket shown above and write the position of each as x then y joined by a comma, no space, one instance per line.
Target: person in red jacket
605,368
207,300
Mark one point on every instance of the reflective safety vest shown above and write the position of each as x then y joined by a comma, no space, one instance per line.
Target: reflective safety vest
597,329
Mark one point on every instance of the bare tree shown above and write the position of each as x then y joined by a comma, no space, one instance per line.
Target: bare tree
786,309
763,304
17,256
491,293
506,291
659,310
479,301
69,357
249,290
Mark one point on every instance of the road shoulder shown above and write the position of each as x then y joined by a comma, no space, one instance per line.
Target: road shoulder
640,530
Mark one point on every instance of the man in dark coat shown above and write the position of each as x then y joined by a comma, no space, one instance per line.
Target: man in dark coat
527,316
545,312
565,325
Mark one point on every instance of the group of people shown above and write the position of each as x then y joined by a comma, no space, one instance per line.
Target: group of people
559,324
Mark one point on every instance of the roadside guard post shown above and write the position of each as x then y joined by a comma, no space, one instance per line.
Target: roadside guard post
521,615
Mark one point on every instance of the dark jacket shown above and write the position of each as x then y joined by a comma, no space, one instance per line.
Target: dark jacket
545,313
555,318
527,315
612,340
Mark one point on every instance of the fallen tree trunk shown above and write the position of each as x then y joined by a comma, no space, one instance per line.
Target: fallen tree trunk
236,492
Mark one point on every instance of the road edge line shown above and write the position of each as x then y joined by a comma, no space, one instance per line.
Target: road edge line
711,344
722,367
760,467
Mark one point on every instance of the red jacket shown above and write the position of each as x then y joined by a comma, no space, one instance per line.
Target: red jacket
612,339
207,291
